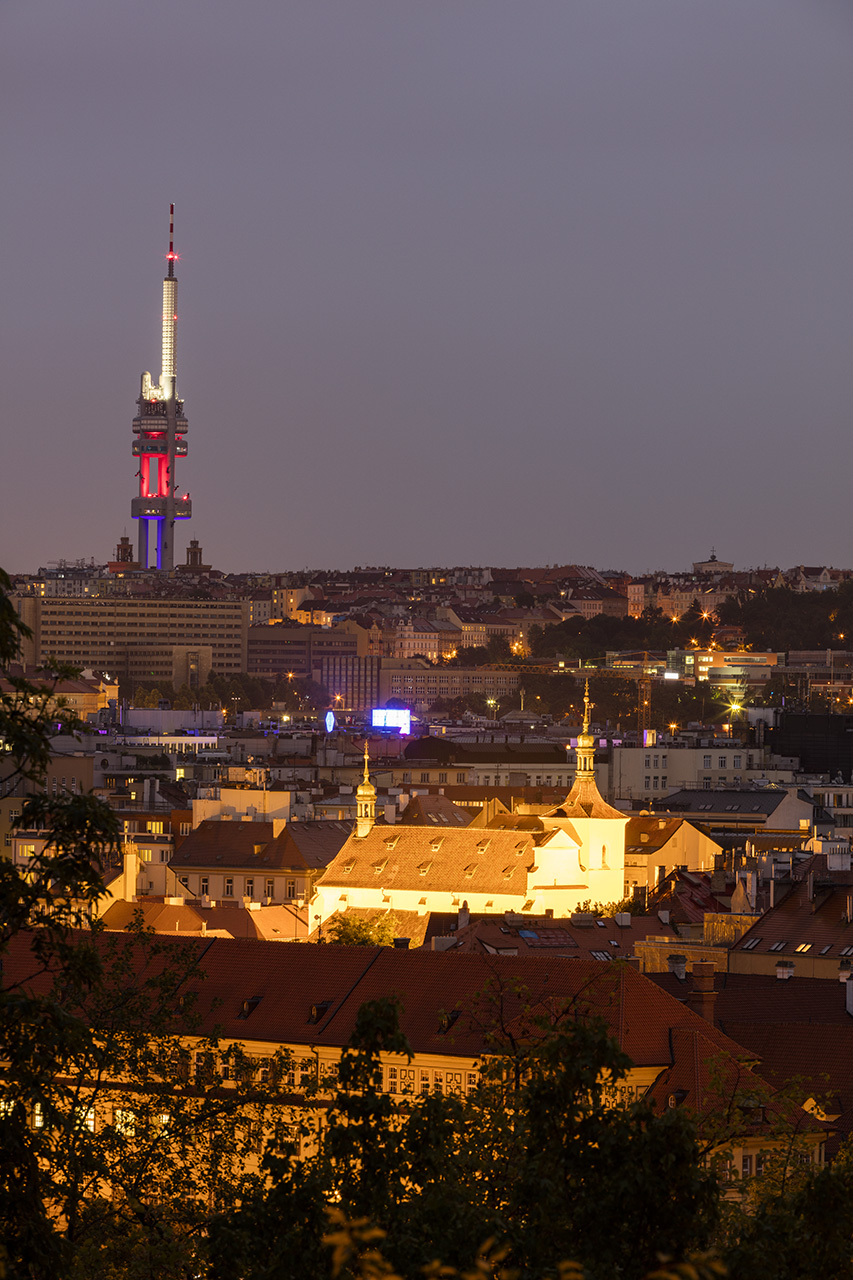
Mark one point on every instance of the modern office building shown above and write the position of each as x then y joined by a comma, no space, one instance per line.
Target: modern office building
177,641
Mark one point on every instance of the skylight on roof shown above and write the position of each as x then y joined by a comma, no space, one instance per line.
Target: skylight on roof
752,944
803,946
779,946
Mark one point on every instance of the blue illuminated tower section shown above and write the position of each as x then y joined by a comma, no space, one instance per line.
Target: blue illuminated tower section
160,429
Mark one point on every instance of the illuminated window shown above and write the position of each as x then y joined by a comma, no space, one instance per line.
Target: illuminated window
124,1121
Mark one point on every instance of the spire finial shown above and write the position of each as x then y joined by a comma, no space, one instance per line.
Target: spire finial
366,761
586,707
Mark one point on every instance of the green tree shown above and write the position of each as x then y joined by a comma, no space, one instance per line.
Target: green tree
357,931
544,1157
44,904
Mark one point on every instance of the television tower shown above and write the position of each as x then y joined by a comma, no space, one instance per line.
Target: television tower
160,429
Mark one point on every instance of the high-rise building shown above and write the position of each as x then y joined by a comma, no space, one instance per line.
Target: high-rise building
160,429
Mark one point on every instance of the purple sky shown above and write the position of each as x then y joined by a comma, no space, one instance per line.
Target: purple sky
462,281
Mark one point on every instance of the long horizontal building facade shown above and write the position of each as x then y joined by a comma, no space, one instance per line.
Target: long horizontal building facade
174,640
419,684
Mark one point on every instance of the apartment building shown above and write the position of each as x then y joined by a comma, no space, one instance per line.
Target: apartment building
649,773
177,641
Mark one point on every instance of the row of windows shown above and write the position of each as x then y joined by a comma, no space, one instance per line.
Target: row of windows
410,1080
248,887
801,947
535,780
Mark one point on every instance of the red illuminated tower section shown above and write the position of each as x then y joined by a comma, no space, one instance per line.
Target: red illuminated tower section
160,429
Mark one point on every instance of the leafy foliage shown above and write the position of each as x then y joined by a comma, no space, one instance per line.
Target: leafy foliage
544,1156
354,931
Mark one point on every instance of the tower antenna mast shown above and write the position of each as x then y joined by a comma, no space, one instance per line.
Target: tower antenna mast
160,428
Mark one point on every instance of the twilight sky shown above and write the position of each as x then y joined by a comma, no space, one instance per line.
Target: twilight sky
461,281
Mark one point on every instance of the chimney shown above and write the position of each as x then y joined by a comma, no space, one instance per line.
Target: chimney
703,996
843,970
401,944
784,969
464,916
677,965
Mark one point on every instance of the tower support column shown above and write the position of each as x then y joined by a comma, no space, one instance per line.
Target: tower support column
142,553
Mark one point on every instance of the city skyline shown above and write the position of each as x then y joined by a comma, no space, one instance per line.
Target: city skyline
480,285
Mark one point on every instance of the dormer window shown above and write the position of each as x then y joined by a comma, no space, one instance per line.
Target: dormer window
391,841
436,844
424,868
319,1011
379,867
248,1007
347,867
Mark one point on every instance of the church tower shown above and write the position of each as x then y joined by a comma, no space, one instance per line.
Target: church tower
598,828
365,801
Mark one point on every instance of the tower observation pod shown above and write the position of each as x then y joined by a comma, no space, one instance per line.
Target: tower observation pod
160,430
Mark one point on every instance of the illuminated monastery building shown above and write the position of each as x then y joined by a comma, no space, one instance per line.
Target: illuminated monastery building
523,862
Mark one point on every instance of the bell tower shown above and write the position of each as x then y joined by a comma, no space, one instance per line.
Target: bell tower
365,801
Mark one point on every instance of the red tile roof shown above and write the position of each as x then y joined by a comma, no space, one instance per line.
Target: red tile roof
253,845
287,979
815,914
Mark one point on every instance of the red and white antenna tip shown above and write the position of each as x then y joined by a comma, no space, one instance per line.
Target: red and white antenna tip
172,257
